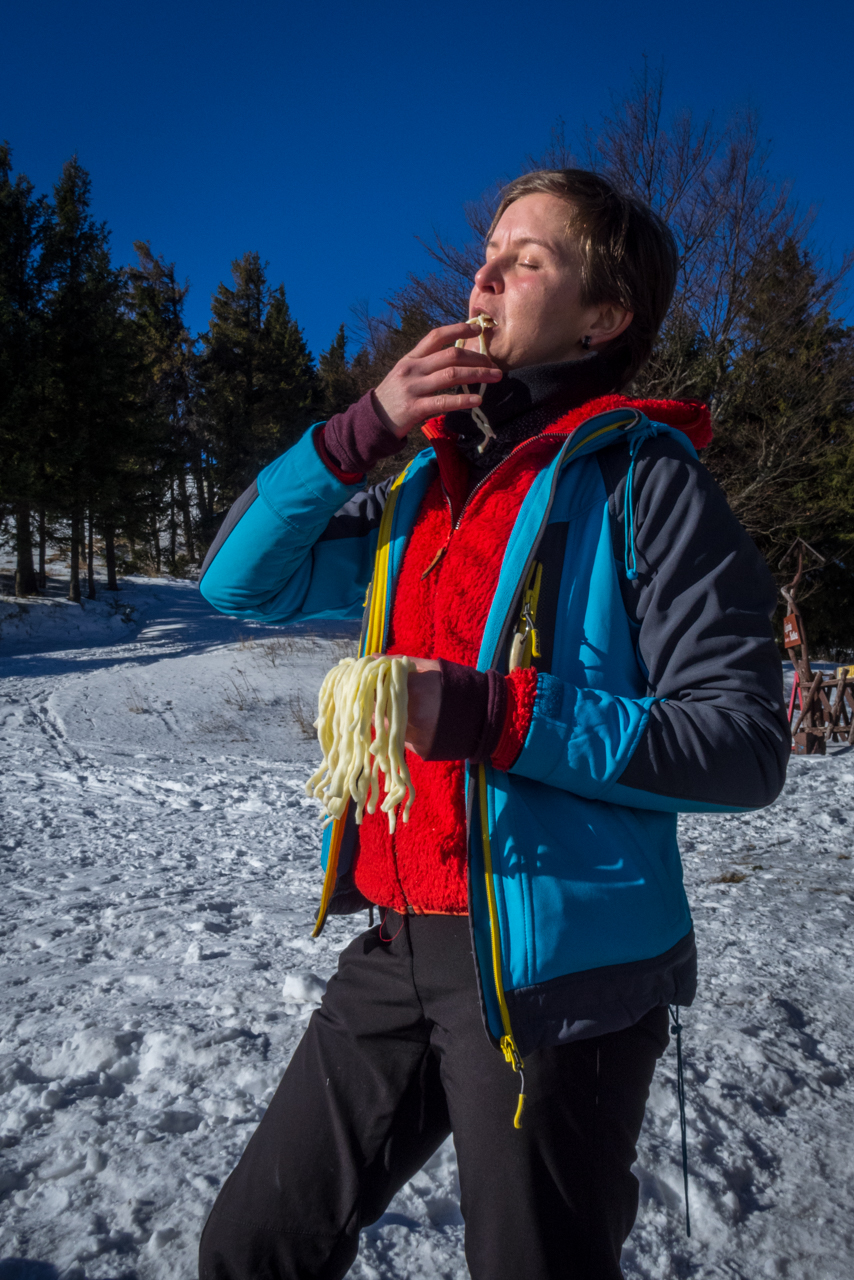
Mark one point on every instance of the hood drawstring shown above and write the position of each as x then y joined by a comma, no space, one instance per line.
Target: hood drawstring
482,422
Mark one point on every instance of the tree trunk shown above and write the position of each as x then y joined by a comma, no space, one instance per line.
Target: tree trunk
173,528
110,557
42,576
201,496
25,574
155,537
187,517
90,560
211,507
74,580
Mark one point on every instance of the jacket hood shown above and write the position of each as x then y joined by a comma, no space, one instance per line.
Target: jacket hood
691,416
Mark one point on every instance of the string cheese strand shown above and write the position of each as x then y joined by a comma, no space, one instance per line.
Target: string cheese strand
484,322
357,696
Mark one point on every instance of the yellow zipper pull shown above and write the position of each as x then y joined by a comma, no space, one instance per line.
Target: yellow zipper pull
531,630
511,1055
520,653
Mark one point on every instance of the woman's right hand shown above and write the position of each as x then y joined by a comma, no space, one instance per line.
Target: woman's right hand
420,384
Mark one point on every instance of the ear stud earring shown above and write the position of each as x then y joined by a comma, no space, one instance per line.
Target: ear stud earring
585,342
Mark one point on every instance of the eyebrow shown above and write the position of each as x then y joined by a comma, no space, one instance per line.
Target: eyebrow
529,240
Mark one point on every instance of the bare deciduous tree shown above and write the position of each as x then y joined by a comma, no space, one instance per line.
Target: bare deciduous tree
751,327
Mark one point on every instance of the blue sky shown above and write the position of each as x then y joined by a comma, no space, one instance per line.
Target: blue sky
327,137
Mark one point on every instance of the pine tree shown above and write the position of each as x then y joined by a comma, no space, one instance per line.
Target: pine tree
287,382
89,392
257,376
339,387
156,302
22,225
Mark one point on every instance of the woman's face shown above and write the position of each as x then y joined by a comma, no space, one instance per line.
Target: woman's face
530,285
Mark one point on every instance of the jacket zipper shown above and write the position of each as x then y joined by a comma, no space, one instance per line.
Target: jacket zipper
455,524
530,579
507,1042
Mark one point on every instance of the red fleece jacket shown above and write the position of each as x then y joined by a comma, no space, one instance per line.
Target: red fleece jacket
445,588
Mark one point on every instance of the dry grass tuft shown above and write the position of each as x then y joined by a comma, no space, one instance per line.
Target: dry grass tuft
303,714
242,694
137,702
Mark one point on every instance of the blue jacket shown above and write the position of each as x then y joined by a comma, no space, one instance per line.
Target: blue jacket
659,691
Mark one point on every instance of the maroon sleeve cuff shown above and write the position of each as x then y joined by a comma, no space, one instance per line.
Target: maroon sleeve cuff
471,714
346,477
352,442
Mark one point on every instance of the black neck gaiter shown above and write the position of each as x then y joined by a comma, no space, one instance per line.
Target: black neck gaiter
524,403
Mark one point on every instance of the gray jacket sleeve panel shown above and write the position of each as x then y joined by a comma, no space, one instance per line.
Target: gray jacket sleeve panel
235,513
360,516
356,519
701,606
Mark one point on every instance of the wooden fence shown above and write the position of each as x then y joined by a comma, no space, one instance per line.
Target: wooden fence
825,711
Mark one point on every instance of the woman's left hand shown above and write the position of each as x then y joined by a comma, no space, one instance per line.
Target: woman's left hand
425,698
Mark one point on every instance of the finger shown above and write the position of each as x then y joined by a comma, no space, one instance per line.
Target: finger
455,376
436,339
435,406
454,355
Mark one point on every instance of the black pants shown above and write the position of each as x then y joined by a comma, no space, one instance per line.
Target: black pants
394,1060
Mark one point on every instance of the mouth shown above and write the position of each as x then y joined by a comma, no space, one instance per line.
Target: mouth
484,322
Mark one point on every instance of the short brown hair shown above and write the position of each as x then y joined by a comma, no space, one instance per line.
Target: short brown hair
628,253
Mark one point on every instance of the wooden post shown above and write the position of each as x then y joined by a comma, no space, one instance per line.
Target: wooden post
808,732
840,713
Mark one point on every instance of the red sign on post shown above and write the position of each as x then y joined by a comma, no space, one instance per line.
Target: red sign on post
791,635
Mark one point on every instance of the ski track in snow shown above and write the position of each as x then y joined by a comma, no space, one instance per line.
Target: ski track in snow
160,880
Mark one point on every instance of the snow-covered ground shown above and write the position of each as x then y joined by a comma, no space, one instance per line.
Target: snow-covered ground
159,884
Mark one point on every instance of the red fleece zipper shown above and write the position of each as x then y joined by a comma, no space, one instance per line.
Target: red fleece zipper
448,458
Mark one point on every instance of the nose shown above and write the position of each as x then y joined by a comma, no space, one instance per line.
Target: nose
489,277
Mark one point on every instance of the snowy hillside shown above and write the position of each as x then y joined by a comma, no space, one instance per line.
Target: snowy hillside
160,878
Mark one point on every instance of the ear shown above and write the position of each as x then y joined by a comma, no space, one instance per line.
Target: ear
607,323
